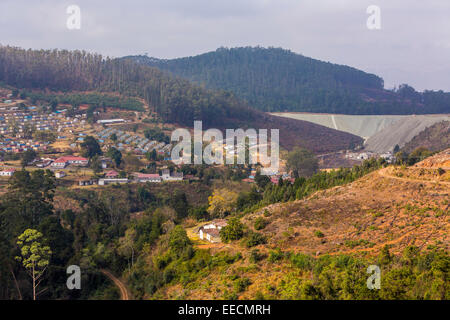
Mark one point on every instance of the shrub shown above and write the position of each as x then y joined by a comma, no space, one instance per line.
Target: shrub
276,255
256,256
255,239
260,223
319,234
242,284
233,231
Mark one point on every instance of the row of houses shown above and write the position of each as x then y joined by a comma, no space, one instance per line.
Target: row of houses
135,143
16,122
17,146
113,177
65,161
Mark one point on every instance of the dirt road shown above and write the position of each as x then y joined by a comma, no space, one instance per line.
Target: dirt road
118,283
386,173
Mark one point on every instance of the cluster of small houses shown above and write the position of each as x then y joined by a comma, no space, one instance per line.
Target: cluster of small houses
56,121
17,146
112,177
134,143
388,156
14,123
275,178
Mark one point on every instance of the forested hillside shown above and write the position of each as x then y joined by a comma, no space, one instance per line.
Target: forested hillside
279,80
176,100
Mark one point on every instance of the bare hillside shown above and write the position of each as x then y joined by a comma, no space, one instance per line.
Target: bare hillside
434,138
401,132
381,208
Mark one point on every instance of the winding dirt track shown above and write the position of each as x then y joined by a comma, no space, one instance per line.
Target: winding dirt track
118,283
387,174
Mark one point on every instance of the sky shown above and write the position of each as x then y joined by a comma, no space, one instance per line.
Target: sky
412,46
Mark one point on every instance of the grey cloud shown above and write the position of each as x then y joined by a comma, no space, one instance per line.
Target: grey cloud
412,47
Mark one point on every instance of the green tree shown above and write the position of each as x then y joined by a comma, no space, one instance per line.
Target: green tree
96,164
35,256
27,157
179,243
115,155
90,147
234,230
302,162
261,180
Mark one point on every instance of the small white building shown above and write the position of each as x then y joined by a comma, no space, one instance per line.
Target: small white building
7,172
175,176
108,121
211,231
60,174
105,181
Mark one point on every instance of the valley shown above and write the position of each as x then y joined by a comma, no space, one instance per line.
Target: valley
86,166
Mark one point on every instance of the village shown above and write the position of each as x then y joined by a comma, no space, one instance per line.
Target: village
56,136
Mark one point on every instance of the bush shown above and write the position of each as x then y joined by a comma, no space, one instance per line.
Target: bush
276,255
260,223
319,234
233,231
255,239
242,284
256,256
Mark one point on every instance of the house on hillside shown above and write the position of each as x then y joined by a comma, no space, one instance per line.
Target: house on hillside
148,177
211,231
62,162
111,174
7,172
105,162
87,182
175,176
211,235
106,181
60,174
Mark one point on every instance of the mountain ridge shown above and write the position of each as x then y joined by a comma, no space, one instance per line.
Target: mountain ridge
175,100
275,79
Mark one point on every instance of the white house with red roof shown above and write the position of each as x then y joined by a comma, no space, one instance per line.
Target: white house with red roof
7,172
148,177
211,230
62,162
112,174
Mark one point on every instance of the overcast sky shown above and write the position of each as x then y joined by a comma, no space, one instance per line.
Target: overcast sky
413,45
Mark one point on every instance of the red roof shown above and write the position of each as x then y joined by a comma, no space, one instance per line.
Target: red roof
70,158
10,170
148,175
112,173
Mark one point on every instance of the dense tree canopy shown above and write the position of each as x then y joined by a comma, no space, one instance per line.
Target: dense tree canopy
274,79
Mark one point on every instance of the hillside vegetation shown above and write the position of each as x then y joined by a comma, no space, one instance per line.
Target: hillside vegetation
319,247
274,79
175,100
